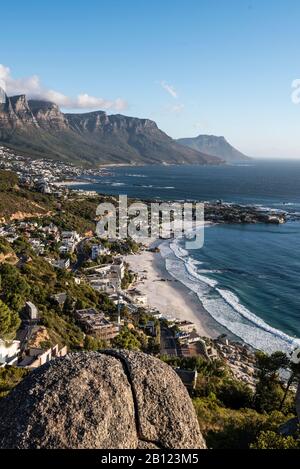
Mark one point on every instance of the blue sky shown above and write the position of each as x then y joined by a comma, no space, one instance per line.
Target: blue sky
194,66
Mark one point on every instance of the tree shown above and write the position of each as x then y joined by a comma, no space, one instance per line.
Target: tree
9,378
69,305
295,376
93,344
272,440
235,394
14,288
9,322
269,391
127,340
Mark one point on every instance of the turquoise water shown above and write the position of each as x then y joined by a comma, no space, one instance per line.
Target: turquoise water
246,276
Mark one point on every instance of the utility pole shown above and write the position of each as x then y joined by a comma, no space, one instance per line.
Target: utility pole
119,304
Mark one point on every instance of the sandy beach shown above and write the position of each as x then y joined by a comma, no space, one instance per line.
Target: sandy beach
168,295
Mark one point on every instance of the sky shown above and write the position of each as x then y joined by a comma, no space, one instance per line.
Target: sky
194,66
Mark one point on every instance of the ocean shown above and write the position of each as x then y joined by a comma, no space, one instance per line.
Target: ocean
246,276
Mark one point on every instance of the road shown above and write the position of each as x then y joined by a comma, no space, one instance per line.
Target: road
81,255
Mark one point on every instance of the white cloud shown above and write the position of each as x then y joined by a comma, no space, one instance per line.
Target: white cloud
33,88
170,89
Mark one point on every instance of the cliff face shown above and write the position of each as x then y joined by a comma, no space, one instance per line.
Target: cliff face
213,145
7,114
22,113
40,129
47,115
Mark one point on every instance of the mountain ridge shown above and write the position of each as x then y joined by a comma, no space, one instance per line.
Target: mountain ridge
214,145
40,129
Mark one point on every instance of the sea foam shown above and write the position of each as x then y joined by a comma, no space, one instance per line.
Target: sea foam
222,304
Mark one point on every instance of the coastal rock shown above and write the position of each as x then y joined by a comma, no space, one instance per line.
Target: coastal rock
166,413
105,400
297,402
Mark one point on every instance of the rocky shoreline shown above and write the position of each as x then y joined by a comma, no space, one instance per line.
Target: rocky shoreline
221,212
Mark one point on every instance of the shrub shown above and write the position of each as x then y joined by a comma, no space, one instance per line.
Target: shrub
9,322
9,378
272,440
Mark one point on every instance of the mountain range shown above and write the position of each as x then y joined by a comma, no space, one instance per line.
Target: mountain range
217,146
39,129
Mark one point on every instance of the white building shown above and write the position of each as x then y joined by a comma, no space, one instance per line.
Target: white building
9,352
107,284
98,250
69,241
37,357
118,267
62,264
70,235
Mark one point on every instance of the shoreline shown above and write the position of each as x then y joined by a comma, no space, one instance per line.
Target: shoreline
169,296
72,182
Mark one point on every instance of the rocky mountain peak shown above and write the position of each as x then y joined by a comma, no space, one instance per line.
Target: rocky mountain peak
48,114
22,110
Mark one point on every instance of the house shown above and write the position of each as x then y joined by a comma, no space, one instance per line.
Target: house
118,267
36,357
61,263
53,231
190,338
83,193
189,378
93,322
185,326
104,279
37,246
195,349
182,336
101,272
9,352
150,327
106,285
60,299
71,236
44,187
98,250
66,249
69,241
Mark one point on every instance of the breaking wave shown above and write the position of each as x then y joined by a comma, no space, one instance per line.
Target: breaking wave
222,304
